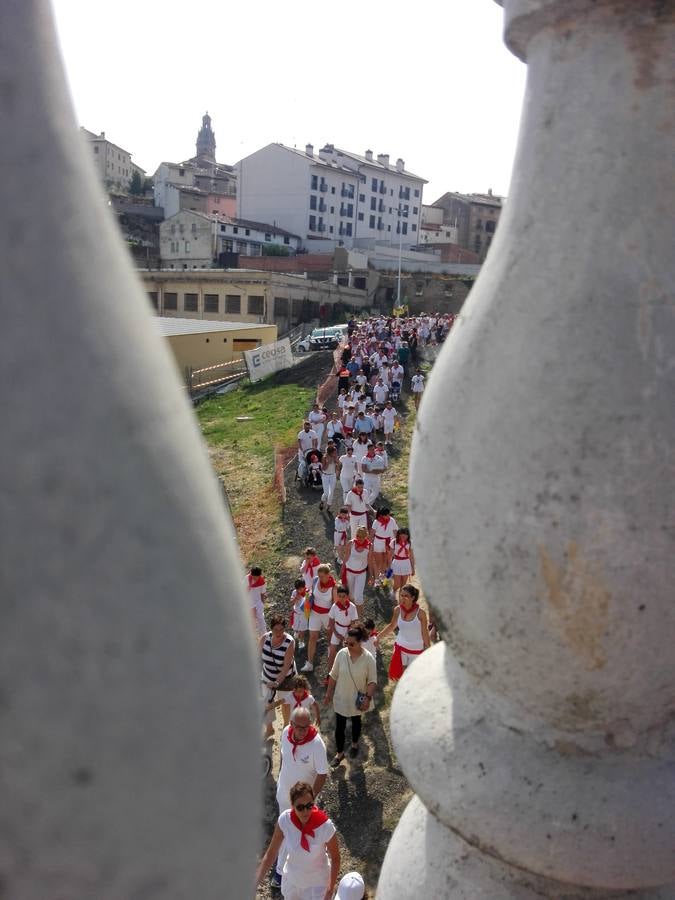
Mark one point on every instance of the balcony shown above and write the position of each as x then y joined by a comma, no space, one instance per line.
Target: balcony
381,207
322,206
323,187
348,193
383,189
321,227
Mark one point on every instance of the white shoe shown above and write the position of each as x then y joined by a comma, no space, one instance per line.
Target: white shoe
308,667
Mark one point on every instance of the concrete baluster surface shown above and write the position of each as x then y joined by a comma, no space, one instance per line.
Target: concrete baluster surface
540,738
128,722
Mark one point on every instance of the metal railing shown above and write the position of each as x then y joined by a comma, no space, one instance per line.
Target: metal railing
201,380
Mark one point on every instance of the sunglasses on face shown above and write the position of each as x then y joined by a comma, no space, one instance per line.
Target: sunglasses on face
304,806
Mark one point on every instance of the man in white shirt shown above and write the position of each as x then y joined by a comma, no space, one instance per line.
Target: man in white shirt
357,503
308,439
397,373
380,392
303,758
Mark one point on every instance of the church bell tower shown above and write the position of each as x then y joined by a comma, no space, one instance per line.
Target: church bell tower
206,140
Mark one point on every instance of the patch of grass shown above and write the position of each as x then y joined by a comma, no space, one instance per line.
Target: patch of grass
395,483
242,456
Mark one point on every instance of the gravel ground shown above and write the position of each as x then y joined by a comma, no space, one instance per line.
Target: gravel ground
366,796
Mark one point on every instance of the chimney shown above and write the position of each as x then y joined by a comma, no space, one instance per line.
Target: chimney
383,159
369,155
400,165
309,149
489,192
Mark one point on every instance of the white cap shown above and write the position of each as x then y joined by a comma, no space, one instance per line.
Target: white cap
351,887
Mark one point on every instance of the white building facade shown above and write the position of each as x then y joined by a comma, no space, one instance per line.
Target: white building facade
433,231
192,240
333,198
113,164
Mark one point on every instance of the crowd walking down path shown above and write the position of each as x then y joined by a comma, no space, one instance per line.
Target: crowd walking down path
349,573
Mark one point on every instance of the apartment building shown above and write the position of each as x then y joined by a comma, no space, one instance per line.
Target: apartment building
113,164
333,198
475,217
433,230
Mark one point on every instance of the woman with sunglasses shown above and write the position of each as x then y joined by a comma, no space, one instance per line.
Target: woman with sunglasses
313,857
352,683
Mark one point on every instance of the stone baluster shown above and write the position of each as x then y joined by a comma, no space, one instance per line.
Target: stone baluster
127,685
540,738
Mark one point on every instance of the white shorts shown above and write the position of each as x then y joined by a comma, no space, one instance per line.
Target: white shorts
289,891
317,621
337,639
407,658
401,567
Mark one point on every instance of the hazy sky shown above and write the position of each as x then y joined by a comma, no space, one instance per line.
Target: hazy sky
429,82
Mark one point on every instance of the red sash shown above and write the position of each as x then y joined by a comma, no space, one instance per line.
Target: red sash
396,668
316,819
329,584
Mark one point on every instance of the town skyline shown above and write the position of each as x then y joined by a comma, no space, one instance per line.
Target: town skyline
454,119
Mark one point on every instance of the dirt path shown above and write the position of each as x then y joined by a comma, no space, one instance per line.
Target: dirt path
364,797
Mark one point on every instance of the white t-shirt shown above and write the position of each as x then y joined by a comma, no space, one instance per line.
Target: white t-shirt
397,373
357,503
306,870
343,618
388,419
380,393
348,464
351,676
316,417
307,439
309,761
417,382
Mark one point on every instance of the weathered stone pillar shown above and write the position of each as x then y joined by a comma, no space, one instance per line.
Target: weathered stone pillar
540,739
128,723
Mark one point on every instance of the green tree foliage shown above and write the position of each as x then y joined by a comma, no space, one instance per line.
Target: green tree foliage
136,186
275,250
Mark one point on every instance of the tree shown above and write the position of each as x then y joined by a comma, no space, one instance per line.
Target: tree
275,250
136,186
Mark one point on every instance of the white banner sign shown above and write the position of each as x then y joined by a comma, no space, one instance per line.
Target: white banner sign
268,358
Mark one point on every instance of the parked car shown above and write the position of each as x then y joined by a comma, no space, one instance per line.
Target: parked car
321,339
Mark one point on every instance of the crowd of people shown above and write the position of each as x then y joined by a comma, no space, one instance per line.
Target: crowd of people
347,446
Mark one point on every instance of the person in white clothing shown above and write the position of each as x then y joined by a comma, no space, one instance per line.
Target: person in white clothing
347,470
356,565
329,466
317,421
389,417
257,593
360,450
413,631
308,439
383,530
340,535
322,591
372,467
356,502
342,613
402,559
417,387
310,849
397,372
380,392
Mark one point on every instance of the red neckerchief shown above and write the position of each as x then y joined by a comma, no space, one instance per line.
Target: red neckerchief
309,568
361,545
406,611
300,592
309,736
305,695
255,581
373,633
317,818
340,606
384,520
329,584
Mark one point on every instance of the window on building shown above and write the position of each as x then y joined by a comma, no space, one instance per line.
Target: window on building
190,302
348,229
235,230
371,223
222,228
280,306
287,240
332,190
416,192
187,246
171,301
153,299
211,303
414,227
362,198
350,210
256,305
95,148
373,202
330,229
315,182
374,184
405,228
247,231
490,227
181,172
194,228
228,246
181,228
415,210
312,223
332,209
360,217
268,236
173,229
312,201
232,303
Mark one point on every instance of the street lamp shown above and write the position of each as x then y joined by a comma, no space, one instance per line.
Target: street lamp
400,250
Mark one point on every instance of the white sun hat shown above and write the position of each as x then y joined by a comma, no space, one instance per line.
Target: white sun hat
351,887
